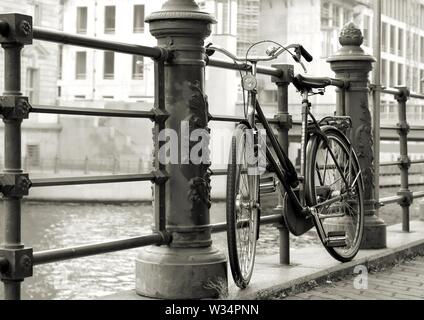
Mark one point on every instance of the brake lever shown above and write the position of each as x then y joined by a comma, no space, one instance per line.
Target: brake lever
298,58
303,66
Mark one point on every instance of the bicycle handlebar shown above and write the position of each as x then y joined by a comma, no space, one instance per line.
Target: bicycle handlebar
305,54
272,53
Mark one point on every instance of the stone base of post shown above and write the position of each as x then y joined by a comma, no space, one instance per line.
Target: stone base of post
176,273
374,231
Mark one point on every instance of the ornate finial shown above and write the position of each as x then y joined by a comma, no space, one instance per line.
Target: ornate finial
186,5
180,9
351,35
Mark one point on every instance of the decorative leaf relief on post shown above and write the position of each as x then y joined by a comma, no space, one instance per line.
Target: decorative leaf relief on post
363,145
200,187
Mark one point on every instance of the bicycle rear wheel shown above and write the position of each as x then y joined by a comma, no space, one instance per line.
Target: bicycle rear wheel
242,208
343,220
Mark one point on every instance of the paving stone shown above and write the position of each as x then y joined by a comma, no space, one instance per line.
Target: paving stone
402,282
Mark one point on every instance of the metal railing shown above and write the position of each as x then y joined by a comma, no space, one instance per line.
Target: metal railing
17,261
404,197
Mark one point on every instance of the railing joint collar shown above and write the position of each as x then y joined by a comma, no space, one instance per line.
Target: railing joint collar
403,128
284,121
15,184
160,176
160,116
164,54
16,263
14,107
404,162
407,198
403,95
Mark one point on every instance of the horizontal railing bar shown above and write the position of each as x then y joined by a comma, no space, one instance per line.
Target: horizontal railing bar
389,164
417,96
396,163
50,182
219,172
226,118
94,43
218,63
390,200
275,218
55,255
236,119
394,91
396,199
419,194
395,128
96,112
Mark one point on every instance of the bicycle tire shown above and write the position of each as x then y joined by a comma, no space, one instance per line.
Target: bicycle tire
239,256
352,223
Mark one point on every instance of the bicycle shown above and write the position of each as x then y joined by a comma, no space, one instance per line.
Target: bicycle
328,193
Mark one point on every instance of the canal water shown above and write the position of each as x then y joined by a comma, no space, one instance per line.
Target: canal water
59,225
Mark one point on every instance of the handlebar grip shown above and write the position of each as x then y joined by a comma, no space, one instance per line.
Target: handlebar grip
305,54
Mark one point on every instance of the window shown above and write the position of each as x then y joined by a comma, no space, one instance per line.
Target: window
366,32
60,62
223,12
384,37
325,14
38,17
400,42
422,49
31,83
401,80
138,68
109,19
138,18
33,155
392,71
384,73
336,16
108,65
422,81
81,65
392,39
81,19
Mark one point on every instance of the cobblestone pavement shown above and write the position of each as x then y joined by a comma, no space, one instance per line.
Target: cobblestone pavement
402,282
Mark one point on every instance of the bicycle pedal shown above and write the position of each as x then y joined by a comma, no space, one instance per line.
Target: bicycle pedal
336,242
336,234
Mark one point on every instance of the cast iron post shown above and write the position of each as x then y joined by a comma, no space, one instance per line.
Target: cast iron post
189,267
404,160
353,64
285,123
15,32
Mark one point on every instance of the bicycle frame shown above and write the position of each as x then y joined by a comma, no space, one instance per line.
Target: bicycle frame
298,202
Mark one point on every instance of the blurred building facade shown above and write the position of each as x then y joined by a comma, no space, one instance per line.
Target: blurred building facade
317,24
39,80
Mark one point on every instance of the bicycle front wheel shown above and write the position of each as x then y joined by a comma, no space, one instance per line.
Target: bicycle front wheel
242,207
333,172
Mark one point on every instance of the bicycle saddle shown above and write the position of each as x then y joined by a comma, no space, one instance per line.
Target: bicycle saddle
303,83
